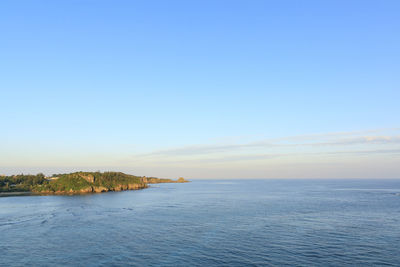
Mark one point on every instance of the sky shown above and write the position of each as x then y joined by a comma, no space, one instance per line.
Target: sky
201,89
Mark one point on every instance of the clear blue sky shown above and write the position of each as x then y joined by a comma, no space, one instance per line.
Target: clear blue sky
202,89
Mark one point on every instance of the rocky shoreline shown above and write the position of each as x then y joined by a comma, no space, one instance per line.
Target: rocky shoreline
94,189
92,186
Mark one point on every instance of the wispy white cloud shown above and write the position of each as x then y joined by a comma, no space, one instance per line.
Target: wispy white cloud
341,139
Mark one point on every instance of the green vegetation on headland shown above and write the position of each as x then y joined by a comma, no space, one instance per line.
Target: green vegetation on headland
78,182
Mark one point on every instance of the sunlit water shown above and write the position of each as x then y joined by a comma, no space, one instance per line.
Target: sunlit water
208,223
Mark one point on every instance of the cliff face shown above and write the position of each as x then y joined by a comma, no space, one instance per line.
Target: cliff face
95,189
153,180
182,180
89,177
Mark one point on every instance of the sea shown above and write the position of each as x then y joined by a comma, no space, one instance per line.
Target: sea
288,222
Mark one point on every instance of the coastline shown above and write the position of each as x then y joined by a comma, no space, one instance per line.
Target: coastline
70,193
92,188
16,194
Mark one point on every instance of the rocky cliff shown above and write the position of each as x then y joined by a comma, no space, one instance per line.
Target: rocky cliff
153,180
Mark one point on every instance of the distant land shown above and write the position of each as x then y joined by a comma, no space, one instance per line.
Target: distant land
76,183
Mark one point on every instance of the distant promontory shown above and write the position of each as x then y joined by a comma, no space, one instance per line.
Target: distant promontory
77,183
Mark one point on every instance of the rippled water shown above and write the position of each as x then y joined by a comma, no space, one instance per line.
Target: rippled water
208,223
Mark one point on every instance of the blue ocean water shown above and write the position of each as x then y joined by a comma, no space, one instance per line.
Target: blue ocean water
209,223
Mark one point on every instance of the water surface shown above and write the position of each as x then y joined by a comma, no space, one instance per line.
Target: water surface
208,223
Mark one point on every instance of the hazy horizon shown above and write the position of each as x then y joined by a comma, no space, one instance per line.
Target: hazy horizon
201,89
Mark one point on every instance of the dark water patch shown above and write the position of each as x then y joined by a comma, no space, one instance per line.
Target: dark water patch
15,194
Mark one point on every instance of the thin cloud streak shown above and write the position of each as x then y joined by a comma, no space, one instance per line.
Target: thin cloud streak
267,144
332,134
257,157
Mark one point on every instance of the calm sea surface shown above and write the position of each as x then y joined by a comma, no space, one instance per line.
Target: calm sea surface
209,223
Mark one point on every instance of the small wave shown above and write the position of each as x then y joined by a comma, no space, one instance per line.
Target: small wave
21,221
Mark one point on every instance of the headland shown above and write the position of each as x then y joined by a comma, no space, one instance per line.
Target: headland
76,183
